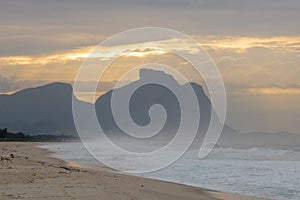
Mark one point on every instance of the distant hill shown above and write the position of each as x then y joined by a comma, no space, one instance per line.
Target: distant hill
45,109
149,94
146,96
48,110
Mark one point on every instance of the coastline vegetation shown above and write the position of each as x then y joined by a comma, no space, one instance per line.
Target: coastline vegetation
6,136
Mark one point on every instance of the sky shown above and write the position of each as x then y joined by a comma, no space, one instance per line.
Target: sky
255,44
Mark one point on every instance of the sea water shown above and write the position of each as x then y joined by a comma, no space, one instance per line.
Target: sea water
269,173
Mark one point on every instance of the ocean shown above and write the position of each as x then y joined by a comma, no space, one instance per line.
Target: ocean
260,172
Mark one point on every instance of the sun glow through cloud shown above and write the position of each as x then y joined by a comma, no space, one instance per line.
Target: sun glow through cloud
242,43
238,44
275,91
228,52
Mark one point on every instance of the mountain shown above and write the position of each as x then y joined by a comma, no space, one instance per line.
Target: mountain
48,109
45,109
150,94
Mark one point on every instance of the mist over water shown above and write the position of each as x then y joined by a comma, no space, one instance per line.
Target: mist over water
262,172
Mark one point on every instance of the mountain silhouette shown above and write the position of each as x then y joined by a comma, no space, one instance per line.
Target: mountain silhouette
150,94
139,105
44,109
48,109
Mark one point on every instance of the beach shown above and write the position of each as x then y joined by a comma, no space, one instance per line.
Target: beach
33,174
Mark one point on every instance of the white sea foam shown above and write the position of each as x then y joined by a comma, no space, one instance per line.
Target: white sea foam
259,172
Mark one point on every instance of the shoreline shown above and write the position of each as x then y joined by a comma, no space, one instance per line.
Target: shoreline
35,170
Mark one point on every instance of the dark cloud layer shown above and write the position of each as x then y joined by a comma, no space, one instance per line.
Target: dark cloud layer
30,24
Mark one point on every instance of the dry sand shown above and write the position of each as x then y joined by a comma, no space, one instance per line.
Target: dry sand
34,175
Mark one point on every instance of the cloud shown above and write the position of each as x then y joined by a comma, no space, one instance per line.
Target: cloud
275,91
33,27
211,44
57,57
8,85
240,44
254,43
242,61
268,89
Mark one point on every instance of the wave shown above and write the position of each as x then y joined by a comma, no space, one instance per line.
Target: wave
262,172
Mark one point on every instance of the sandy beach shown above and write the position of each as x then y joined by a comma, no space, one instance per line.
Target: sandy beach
33,174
